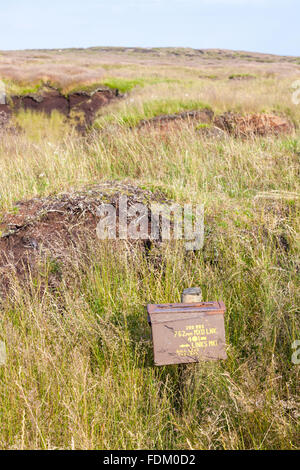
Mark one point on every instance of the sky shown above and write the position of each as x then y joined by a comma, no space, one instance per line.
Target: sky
270,26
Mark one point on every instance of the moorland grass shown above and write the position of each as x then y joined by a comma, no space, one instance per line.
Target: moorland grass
80,371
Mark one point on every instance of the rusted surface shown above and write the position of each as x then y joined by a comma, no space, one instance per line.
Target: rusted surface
184,333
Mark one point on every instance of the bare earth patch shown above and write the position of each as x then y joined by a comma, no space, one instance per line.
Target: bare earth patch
249,125
235,124
80,106
50,228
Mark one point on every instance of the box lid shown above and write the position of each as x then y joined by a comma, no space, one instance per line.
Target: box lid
161,313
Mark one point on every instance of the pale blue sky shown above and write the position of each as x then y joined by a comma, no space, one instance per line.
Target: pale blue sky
252,25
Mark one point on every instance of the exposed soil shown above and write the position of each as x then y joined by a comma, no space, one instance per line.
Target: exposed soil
89,104
249,125
79,106
217,127
50,228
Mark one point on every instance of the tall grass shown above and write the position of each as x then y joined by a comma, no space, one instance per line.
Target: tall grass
79,372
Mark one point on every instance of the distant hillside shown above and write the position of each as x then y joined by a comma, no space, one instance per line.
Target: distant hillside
215,54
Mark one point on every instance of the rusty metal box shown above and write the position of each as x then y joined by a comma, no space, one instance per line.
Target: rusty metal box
184,333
